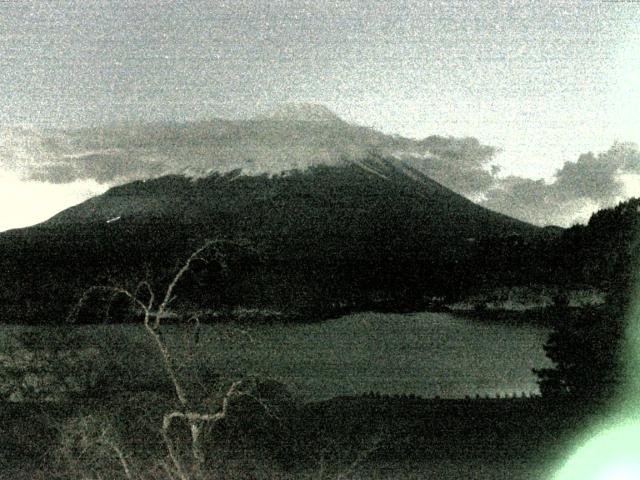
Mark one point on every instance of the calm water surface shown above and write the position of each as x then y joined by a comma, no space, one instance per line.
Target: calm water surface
428,354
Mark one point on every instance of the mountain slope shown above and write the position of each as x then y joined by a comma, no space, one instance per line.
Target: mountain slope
354,185
349,234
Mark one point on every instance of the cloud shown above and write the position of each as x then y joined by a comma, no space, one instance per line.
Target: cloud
120,154
61,157
462,164
103,168
579,188
598,177
537,202
114,155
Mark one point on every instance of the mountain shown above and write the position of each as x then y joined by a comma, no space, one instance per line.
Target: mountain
357,233
301,112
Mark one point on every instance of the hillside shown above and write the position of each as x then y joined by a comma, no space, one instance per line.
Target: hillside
376,230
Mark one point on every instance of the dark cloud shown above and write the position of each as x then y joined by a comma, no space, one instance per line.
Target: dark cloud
465,152
579,188
598,177
56,173
104,168
590,177
120,154
462,164
534,201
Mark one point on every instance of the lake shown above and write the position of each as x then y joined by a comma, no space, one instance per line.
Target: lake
427,354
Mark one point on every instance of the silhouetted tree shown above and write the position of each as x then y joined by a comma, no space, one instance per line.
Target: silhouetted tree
585,347
586,344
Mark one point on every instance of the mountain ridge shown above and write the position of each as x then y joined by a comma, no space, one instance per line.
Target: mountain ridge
299,112
389,169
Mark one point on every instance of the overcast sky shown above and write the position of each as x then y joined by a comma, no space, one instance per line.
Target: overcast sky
543,81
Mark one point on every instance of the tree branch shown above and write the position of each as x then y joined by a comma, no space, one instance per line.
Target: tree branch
168,297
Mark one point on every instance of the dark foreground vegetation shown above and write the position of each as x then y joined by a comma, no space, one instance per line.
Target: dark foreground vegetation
357,437
110,418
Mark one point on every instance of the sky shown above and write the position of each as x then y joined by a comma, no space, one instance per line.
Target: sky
543,82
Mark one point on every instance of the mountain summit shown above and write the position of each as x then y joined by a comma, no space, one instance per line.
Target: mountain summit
300,112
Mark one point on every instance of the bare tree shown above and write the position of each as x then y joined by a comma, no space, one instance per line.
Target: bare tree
154,309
